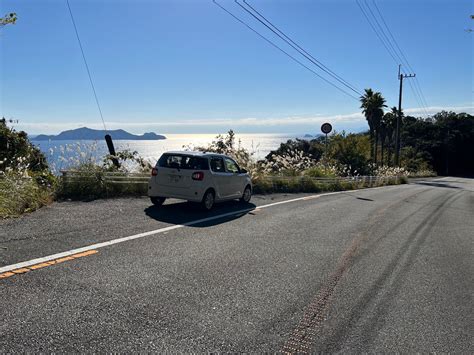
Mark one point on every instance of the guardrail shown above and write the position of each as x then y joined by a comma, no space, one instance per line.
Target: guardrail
79,184
106,177
284,183
142,178
365,178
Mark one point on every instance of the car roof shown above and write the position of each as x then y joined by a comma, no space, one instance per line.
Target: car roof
196,153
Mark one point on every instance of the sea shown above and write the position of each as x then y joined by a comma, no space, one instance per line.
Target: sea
61,154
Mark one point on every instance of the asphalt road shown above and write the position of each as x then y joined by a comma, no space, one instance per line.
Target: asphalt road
378,270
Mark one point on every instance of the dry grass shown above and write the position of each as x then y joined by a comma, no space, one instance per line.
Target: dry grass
19,195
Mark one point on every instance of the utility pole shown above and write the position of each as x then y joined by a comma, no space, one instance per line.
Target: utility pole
399,116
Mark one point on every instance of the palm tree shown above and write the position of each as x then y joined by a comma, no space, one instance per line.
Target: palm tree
390,119
372,104
383,137
366,107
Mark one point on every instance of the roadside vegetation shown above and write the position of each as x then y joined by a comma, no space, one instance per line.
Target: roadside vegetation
440,144
26,182
304,166
87,178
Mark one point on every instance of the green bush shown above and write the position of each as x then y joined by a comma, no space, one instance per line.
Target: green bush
321,171
307,184
262,186
16,149
347,185
88,181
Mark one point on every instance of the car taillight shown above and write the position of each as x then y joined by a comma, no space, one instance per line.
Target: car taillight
198,175
154,172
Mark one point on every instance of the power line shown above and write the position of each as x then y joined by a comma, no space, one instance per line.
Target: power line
383,32
282,50
391,35
417,83
419,92
385,41
375,31
85,62
387,44
380,32
296,46
415,93
406,60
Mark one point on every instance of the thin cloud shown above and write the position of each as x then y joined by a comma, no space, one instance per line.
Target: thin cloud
351,119
435,109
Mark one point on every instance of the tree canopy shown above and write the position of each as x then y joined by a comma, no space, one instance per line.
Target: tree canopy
444,141
16,145
8,19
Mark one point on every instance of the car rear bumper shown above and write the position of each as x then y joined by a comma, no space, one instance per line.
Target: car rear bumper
194,194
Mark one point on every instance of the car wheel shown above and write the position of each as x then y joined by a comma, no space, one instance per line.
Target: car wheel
208,200
247,195
157,201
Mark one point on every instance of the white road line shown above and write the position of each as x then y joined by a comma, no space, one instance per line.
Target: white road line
166,229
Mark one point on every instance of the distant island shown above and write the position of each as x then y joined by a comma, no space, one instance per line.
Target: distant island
96,134
315,136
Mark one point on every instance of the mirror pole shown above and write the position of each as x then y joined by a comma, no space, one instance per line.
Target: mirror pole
110,145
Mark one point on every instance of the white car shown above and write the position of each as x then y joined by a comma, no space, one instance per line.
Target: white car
198,177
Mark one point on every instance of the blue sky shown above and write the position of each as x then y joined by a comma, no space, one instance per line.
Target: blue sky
188,67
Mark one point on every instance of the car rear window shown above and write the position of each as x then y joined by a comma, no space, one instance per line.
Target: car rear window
180,161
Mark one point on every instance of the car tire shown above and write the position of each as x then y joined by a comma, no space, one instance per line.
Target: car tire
247,195
157,201
208,200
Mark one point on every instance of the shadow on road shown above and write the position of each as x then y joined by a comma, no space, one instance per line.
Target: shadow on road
184,212
364,199
358,197
437,184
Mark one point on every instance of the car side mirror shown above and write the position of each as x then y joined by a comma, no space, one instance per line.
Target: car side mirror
243,171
